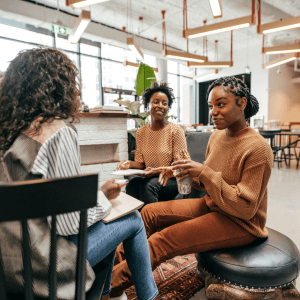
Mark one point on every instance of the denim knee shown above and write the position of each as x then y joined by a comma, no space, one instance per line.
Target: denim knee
136,221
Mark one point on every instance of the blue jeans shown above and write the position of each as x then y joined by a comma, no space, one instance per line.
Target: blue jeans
104,238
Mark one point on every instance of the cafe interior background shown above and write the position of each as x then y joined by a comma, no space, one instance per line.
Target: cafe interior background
187,46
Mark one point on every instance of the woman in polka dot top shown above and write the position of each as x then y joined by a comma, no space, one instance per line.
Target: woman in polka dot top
158,144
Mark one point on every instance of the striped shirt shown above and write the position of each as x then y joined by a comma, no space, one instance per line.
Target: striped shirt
59,156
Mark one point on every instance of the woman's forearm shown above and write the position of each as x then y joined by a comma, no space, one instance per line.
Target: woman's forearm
136,165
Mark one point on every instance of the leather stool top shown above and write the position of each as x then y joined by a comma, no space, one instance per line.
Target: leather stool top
265,263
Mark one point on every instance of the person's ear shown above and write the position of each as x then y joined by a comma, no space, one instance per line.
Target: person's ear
242,103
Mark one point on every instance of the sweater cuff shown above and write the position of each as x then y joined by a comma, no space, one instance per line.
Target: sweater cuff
206,176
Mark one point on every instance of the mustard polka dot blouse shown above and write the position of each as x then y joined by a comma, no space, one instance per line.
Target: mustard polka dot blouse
159,148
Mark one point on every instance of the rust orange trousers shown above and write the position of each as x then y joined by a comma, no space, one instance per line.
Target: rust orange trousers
180,227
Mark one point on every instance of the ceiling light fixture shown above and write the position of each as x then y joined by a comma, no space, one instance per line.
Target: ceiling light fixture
211,64
209,74
82,3
136,65
218,27
285,24
80,25
215,6
135,49
281,49
281,60
184,56
222,26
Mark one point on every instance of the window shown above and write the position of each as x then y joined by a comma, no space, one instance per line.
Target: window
180,80
116,75
90,80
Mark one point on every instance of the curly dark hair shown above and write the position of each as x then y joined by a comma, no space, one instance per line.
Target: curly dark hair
158,87
238,88
38,83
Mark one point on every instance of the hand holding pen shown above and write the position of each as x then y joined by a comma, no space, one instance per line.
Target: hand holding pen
123,165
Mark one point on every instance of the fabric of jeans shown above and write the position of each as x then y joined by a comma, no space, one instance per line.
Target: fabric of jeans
181,227
149,190
103,239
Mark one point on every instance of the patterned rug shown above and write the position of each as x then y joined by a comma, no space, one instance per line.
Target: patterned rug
176,279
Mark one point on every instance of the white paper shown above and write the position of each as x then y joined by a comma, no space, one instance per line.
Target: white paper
128,172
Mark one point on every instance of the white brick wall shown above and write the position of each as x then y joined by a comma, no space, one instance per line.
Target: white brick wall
95,131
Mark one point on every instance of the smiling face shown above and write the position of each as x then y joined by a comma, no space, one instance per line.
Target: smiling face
158,105
224,111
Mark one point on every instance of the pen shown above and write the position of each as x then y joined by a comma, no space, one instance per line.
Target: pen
125,162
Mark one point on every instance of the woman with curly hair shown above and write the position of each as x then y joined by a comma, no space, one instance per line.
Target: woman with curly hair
39,95
235,175
158,144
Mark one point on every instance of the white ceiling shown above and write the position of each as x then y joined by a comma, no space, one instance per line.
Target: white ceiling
115,13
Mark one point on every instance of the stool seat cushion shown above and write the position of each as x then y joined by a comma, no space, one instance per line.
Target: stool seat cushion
265,263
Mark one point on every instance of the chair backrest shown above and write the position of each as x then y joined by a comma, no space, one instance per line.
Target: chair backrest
197,144
39,199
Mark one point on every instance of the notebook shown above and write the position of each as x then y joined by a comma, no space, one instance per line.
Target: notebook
128,172
121,206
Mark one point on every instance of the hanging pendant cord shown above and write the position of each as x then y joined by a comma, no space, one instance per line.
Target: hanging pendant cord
164,32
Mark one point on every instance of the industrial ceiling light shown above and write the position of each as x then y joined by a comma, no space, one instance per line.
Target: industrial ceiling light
222,26
135,49
184,56
135,65
281,60
211,64
209,74
82,3
80,25
285,24
281,49
219,27
215,6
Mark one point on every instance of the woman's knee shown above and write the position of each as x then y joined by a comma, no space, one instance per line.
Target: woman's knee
135,221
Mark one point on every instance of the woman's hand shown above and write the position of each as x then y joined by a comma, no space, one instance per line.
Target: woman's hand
190,168
150,172
165,175
123,165
111,189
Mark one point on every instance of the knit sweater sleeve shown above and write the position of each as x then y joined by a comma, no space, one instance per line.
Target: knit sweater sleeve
243,199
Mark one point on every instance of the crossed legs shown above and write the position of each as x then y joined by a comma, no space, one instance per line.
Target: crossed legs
180,227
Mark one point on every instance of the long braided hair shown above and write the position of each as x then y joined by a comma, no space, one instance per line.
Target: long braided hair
238,88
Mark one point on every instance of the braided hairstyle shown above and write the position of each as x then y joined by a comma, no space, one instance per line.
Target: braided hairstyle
158,87
238,88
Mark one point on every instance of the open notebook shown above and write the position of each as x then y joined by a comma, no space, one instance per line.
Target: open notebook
121,206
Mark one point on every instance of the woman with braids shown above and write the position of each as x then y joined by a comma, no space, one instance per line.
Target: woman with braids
235,175
38,94
158,144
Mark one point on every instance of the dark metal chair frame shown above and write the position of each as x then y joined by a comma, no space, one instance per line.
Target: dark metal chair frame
22,201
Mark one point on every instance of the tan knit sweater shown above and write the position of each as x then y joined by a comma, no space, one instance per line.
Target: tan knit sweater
235,175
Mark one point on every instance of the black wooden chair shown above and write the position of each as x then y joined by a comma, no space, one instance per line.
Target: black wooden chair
25,200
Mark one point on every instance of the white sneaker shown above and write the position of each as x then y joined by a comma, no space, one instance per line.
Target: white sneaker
122,297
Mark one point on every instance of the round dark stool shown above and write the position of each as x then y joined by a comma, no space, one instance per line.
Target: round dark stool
264,269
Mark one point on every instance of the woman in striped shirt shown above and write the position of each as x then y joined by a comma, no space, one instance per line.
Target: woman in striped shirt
38,94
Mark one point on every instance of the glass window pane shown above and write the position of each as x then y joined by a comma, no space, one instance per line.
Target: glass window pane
90,80
186,93
25,35
186,71
112,52
172,81
130,56
116,75
9,50
172,67
109,98
88,49
150,60
64,44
